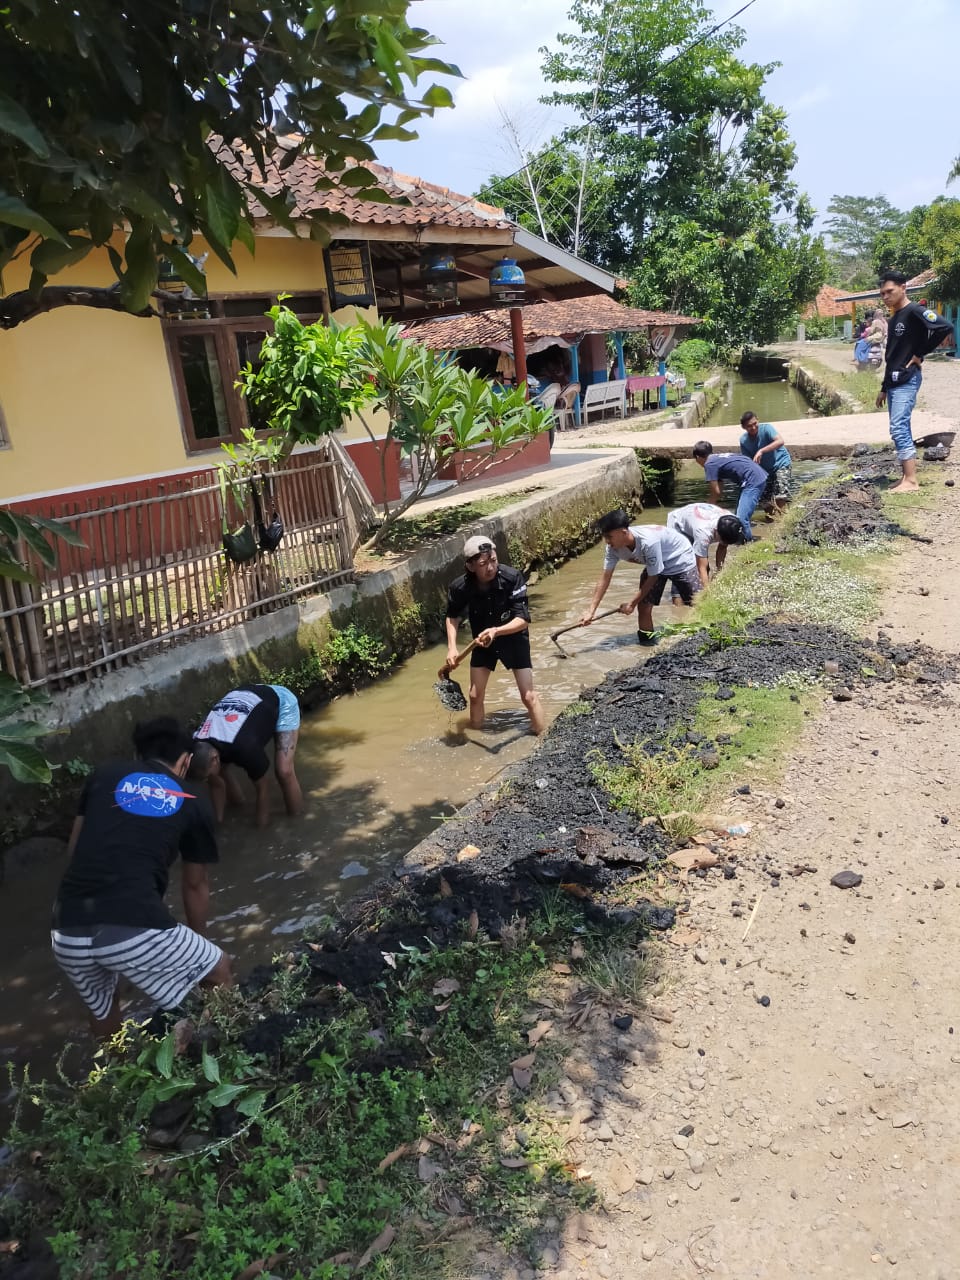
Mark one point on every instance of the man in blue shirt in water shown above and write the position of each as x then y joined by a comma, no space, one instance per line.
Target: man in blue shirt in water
750,478
763,443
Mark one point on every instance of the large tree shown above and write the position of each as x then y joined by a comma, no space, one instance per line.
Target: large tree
668,108
854,224
941,235
903,247
702,208
150,117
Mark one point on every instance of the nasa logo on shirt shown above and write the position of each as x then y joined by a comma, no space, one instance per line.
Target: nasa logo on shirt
149,795
930,316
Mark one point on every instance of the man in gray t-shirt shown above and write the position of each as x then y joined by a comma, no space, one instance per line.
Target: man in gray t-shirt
665,554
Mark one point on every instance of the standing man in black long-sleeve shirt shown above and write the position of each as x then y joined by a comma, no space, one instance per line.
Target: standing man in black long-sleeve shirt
494,597
913,332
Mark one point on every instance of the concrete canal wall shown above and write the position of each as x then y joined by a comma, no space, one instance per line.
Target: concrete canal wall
403,604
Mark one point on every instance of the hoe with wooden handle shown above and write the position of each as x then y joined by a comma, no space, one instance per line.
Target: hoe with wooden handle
575,626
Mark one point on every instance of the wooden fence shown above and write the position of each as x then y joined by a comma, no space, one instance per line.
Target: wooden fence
153,572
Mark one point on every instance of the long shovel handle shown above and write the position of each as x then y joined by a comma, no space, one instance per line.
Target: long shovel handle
446,669
575,625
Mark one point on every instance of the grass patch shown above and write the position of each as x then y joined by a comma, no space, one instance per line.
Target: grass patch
670,780
285,1162
859,386
412,531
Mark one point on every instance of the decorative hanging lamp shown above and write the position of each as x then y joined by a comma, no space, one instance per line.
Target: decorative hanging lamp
438,275
508,284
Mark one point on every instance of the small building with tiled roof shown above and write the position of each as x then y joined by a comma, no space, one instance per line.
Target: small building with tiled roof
916,285
568,321
92,401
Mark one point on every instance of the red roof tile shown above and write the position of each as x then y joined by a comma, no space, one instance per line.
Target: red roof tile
420,203
571,318
825,303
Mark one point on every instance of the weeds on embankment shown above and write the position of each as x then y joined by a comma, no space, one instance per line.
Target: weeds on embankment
299,1127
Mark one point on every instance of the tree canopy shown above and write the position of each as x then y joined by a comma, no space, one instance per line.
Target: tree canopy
150,117
854,224
689,178
562,196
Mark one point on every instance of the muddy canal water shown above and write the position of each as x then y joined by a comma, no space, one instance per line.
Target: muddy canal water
379,770
771,399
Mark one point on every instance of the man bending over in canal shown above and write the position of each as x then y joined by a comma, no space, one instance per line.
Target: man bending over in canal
494,598
702,524
110,919
665,554
762,442
749,478
236,731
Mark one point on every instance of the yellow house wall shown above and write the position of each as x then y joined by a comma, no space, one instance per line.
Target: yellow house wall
87,397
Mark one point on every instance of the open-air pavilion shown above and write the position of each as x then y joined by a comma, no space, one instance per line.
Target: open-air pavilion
577,328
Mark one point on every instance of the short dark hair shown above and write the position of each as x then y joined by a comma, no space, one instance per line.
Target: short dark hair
203,758
702,449
747,417
729,530
895,277
613,520
162,738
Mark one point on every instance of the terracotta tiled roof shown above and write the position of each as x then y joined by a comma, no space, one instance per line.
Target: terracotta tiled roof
914,284
571,318
421,203
826,304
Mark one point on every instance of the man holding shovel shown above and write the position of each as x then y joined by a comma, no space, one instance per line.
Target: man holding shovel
494,598
665,554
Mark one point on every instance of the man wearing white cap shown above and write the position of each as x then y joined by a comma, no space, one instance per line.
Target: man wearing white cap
494,598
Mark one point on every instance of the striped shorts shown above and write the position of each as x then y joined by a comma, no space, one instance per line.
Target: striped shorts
163,963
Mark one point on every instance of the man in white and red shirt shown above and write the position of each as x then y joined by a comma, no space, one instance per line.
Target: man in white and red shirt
702,524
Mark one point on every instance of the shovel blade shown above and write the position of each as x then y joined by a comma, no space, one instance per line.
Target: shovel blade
450,694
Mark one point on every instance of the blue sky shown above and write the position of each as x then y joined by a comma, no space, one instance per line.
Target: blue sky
870,87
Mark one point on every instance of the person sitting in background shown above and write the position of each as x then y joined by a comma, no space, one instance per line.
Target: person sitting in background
733,467
873,333
666,556
763,443
236,731
703,524
110,920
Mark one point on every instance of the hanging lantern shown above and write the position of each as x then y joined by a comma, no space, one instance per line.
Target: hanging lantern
508,284
438,274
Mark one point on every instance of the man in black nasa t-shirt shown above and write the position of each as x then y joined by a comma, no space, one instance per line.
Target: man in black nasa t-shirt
110,920
913,332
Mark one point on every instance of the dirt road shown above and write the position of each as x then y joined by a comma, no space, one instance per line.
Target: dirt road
813,1132
940,393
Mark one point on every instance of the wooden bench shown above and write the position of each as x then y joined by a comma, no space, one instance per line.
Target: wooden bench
602,397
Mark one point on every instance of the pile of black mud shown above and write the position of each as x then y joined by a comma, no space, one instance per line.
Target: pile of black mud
849,511
548,824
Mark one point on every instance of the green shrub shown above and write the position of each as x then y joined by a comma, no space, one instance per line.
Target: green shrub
692,357
354,655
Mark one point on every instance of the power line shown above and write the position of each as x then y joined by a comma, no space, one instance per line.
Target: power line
661,67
